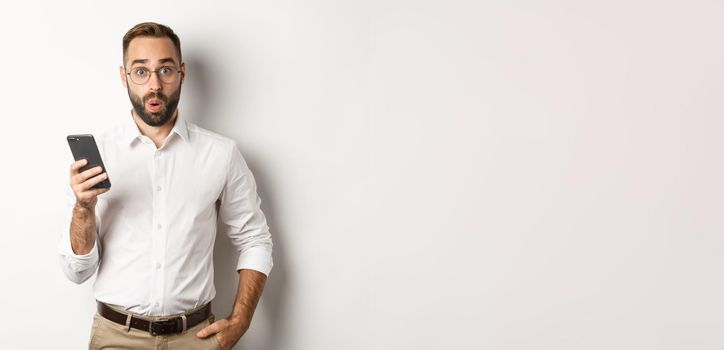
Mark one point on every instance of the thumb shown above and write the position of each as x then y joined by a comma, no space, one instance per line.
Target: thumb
213,328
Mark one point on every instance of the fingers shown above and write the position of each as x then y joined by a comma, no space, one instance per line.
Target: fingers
213,328
77,165
88,196
97,191
82,177
82,182
88,184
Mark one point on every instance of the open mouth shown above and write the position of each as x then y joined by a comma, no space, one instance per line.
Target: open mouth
154,104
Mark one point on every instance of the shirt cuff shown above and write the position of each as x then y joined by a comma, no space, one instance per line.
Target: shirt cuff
83,262
256,258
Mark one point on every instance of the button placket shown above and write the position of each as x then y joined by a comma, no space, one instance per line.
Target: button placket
158,235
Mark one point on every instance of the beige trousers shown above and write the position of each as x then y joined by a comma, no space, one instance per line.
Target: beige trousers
106,334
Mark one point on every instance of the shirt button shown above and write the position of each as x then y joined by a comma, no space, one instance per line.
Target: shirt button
158,304
158,265
158,226
158,188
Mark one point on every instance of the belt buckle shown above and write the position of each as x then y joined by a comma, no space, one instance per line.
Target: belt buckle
152,330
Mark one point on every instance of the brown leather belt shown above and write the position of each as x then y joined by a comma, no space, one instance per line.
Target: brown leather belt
160,327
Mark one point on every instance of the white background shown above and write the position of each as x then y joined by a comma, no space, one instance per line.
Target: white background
436,175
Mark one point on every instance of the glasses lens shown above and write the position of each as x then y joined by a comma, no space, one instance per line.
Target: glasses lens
167,74
140,75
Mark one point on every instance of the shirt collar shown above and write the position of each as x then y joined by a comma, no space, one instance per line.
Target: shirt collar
132,132
181,128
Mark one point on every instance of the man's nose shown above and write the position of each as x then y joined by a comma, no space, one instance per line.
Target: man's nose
154,82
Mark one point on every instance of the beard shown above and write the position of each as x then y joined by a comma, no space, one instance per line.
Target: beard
155,118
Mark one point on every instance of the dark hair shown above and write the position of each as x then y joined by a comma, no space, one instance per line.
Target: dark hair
151,29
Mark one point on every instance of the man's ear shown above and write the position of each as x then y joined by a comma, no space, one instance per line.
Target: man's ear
183,71
122,71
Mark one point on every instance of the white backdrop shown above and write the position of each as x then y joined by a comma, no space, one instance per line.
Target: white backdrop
457,175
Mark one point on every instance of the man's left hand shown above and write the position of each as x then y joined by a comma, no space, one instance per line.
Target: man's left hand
228,332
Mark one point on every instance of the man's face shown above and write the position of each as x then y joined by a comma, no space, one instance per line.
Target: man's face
156,100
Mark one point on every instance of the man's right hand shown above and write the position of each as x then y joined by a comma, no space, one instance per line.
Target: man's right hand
82,184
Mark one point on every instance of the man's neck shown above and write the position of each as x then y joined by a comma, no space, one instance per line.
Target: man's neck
157,134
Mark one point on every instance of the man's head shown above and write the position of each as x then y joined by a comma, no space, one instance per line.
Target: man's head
152,71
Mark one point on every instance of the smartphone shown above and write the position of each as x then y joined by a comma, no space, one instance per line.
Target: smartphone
84,147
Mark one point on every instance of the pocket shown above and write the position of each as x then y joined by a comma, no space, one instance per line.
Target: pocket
94,332
216,340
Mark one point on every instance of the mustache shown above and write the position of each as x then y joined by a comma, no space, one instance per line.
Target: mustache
157,95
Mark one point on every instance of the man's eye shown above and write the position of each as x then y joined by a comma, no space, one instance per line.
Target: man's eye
165,70
140,72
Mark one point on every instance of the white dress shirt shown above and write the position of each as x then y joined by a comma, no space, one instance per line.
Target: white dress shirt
157,225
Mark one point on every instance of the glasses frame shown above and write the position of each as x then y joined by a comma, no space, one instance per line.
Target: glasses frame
128,73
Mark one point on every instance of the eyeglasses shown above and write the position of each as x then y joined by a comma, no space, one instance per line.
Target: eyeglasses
141,75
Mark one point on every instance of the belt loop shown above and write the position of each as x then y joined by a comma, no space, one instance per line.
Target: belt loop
183,318
128,321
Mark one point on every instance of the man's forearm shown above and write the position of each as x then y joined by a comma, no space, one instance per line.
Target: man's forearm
82,230
251,284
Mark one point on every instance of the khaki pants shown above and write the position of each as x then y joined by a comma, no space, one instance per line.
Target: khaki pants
107,334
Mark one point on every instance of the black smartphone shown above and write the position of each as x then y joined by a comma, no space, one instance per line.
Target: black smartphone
84,147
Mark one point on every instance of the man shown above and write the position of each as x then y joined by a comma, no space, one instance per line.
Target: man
151,236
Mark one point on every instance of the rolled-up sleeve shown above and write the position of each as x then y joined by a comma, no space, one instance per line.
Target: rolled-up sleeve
242,219
78,268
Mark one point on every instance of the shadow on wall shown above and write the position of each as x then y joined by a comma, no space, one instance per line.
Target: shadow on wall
271,307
